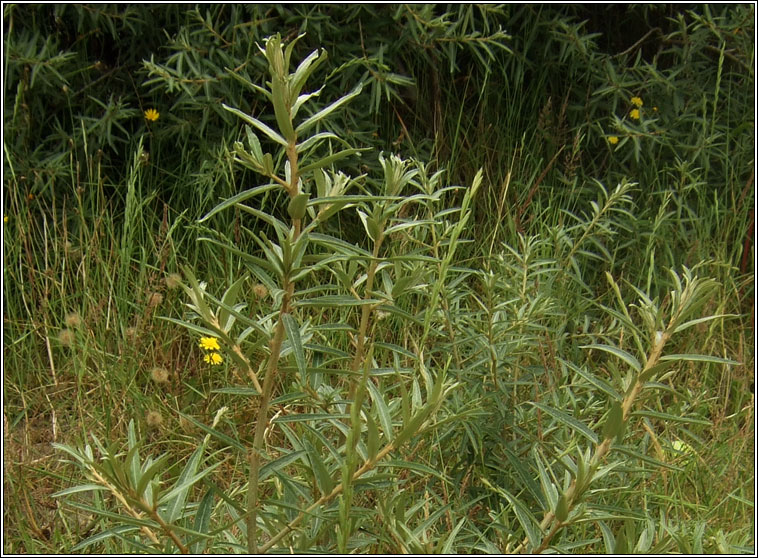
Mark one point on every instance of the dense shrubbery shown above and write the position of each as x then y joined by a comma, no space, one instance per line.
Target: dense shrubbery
491,289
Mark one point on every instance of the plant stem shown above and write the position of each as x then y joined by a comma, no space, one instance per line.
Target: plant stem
573,493
268,382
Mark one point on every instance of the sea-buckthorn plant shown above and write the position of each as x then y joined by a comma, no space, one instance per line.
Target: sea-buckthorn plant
352,408
359,357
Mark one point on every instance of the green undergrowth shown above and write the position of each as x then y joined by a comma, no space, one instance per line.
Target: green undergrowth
490,290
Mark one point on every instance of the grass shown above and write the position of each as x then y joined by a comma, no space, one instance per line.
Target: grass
513,310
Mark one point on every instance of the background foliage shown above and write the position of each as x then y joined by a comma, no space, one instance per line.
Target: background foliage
101,207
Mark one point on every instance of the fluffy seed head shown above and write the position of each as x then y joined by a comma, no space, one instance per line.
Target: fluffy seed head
73,320
173,280
154,419
66,337
155,300
159,375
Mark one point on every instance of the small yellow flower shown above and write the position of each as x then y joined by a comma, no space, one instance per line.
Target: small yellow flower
209,343
5,218
213,358
152,115
655,109
636,101
635,114
613,140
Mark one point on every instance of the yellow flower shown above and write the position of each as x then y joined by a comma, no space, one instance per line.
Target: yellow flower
209,343
5,218
655,109
635,114
613,140
152,115
636,101
213,358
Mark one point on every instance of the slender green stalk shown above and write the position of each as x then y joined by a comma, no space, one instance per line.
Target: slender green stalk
253,500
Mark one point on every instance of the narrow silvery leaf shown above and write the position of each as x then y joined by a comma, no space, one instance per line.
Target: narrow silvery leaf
279,93
293,334
258,124
301,99
177,498
306,124
623,355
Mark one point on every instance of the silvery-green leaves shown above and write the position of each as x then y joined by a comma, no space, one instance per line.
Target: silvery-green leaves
147,503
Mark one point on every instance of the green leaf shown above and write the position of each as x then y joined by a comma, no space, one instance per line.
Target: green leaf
525,518
225,317
372,443
245,391
239,198
305,69
192,327
549,491
691,323
623,355
77,489
302,417
569,421
157,467
646,459
397,349
562,509
177,497
280,100
335,301
71,451
302,99
306,124
526,477
293,334
254,144
413,466
196,294
383,410
215,433
258,265
599,383
324,481
450,539
297,205
258,124
339,245
328,160
648,373
203,519
312,142
99,537
279,464
621,546
671,419
614,422
700,358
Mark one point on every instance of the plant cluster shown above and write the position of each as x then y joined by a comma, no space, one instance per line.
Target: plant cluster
256,327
